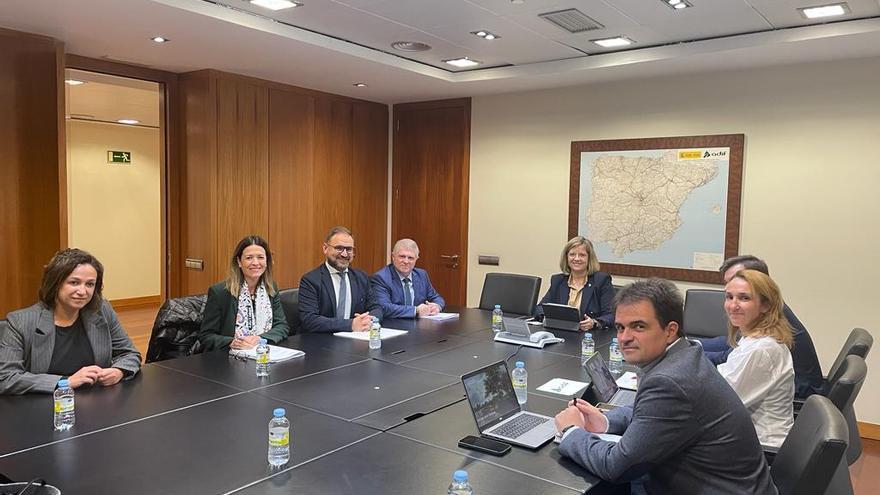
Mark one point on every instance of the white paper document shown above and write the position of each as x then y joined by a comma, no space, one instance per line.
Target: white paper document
276,354
441,316
562,386
628,381
384,333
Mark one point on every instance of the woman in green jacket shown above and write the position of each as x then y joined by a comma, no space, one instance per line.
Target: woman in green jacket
245,307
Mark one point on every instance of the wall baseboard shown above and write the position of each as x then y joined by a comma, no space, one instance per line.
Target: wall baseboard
869,430
134,302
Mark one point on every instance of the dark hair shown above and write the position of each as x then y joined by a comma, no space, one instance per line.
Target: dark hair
748,262
339,229
235,278
60,267
662,294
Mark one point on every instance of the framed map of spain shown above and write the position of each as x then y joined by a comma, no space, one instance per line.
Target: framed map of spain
659,207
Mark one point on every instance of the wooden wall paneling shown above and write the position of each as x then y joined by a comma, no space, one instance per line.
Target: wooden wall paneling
198,140
242,166
369,195
292,236
31,152
332,166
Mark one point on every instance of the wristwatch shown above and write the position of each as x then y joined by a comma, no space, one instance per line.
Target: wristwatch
562,433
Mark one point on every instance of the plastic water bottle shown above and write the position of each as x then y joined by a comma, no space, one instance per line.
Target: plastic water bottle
64,406
375,334
460,484
615,358
520,379
279,438
588,348
263,358
497,322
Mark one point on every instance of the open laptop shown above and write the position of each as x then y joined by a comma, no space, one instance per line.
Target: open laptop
604,385
497,413
561,317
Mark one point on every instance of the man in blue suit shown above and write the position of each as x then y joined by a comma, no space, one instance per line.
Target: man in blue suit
402,290
688,431
335,297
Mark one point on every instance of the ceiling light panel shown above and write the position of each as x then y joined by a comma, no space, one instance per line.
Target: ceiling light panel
615,42
486,35
677,5
825,11
275,4
463,62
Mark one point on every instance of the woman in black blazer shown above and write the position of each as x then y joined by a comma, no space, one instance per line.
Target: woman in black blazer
581,285
245,307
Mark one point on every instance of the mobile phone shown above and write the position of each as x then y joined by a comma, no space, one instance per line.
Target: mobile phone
483,444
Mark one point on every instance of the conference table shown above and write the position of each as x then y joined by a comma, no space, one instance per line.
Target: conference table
362,421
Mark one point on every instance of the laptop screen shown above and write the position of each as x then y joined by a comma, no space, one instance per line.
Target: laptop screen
490,394
603,382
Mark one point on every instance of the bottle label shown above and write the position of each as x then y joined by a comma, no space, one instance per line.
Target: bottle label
496,319
279,437
374,333
263,358
64,405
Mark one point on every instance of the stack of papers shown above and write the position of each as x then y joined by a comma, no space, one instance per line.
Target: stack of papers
384,333
628,381
563,386
441,316
276,354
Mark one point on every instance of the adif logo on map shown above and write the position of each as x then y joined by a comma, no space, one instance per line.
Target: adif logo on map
704,154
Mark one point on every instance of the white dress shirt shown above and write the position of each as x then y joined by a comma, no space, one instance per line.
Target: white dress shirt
761,372
336,279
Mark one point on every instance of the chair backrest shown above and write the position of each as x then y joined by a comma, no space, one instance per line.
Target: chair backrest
290,305
812,451
842,393
859,343
176,329
517,294
704,313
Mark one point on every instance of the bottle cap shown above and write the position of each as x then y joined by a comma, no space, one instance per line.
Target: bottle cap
460,476
614,340
588,334
279,413
263,341
63,383
497,306
520,364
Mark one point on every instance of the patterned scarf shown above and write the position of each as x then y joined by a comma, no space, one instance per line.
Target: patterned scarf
248,321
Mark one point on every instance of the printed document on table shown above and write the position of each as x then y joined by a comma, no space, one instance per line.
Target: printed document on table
562,386
628,381
441,316
276,354
384,333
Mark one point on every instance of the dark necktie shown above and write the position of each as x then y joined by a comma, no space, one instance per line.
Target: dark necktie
407,292
343,295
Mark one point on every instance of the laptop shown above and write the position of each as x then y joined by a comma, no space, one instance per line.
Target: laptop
561,317
497,413
604,385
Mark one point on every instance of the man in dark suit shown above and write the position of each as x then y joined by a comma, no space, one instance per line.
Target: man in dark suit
402,290
335,297
688,431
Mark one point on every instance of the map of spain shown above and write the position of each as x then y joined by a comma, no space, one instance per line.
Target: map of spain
636,200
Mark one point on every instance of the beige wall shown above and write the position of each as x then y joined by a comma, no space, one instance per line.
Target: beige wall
810,204
114,209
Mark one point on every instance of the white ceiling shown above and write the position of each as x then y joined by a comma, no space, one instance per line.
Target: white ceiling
331,44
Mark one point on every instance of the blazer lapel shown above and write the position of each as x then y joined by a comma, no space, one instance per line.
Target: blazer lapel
99,336
586,295
44,342
327,287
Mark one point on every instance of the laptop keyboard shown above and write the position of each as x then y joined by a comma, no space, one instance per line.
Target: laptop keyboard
520,425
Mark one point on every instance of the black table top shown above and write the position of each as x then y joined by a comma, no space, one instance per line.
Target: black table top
469,357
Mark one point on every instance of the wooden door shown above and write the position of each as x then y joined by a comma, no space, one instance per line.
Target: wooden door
430,189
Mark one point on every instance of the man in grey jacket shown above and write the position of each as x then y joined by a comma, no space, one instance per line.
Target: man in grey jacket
688,431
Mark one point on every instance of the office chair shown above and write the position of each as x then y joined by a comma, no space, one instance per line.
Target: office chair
176,329
290,305
704,314
813,450
858,342
517,294
842,393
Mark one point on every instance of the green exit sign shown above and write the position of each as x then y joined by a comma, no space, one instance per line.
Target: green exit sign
119,157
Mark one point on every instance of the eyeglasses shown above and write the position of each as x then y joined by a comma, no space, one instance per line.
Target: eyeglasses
343,249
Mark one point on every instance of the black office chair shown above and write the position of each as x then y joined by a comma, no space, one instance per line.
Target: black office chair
813,450
859,343
517,294
704,313
176,329
290,305
843,392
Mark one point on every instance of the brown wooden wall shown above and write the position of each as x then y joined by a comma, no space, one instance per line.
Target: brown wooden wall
31,154
282,162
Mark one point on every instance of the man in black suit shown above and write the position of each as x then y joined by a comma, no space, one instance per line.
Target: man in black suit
335,297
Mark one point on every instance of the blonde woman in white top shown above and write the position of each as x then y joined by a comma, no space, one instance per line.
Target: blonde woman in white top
760,368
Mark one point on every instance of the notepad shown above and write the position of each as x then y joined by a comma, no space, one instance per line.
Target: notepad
628,381
384,333
441,316
276,354
562,386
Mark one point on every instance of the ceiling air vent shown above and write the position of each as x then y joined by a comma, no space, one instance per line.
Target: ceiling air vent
571,20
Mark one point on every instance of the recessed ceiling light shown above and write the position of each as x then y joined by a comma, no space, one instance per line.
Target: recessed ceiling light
463,62
677,4
359,85
159,39
830,10
275,4
486,35
73,82
517,2
410,46
129,121
613,42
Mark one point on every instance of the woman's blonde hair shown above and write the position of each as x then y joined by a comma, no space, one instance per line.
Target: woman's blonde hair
234,278
771,323
592,260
